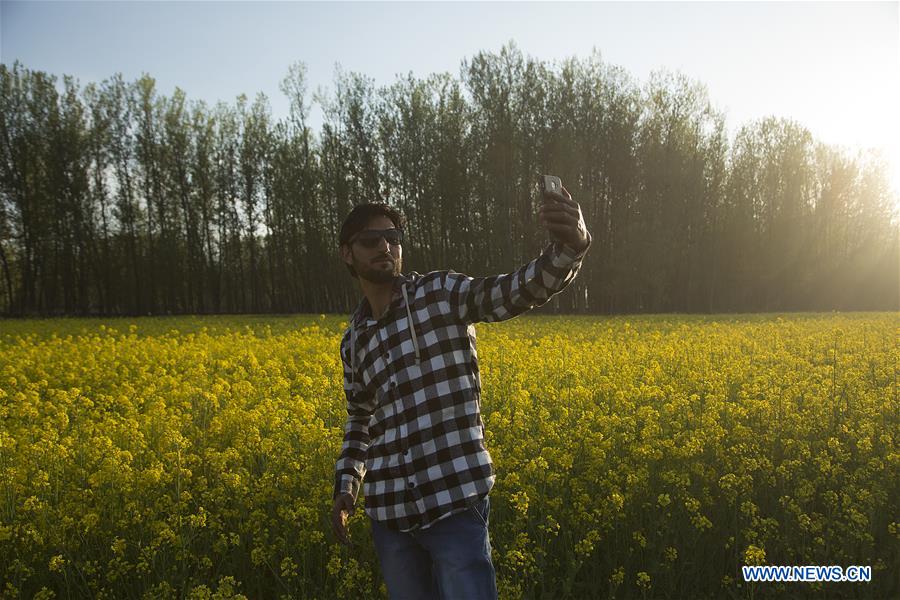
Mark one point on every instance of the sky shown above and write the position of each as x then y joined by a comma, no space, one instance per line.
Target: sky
832,66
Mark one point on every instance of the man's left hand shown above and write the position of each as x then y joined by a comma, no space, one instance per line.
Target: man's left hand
562,216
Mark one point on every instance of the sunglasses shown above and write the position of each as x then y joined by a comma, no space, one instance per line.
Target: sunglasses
370,238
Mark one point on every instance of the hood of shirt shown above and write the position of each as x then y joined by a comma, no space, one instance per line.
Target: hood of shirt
403,289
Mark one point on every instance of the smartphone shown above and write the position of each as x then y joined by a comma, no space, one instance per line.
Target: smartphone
550,183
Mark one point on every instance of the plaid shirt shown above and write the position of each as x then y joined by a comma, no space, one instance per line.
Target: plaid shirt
414,431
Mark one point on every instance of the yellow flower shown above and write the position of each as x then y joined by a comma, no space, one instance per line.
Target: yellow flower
219,442
643,580
57,563
754,555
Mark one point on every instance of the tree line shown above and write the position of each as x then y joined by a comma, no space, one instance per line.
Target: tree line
117,200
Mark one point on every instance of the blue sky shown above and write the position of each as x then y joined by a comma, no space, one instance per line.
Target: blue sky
834,66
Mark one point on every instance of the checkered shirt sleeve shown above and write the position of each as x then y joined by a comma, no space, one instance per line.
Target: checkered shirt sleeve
502,297
351,467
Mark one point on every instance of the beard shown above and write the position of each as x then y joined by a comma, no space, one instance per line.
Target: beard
378,272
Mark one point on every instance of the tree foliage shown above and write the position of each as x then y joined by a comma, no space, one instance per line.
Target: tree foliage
117,200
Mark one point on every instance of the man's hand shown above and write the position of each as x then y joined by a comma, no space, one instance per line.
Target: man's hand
562,216
343,508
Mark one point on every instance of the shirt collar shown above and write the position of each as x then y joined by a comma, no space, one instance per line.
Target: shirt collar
363,311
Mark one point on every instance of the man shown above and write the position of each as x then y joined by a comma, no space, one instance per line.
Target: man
414,431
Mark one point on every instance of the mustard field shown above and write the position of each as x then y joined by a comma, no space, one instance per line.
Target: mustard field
636,457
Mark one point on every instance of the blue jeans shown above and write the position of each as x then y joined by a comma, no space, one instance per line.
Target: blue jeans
451,560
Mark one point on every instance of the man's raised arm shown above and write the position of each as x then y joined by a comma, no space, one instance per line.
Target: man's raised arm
501,297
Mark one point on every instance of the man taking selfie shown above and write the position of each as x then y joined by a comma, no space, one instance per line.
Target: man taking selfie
414,432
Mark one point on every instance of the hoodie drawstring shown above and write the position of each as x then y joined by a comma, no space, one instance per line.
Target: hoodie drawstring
352,352
412,328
